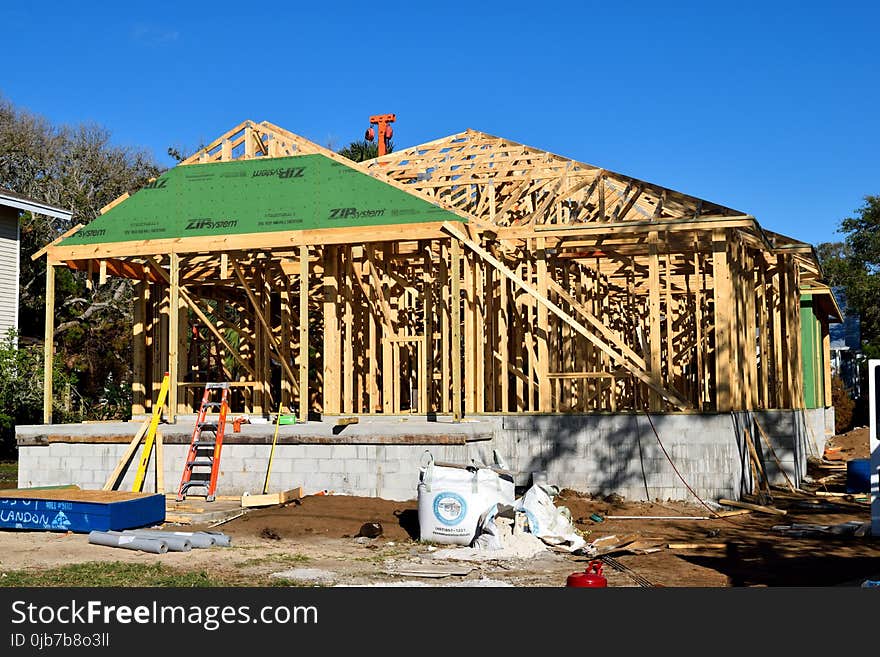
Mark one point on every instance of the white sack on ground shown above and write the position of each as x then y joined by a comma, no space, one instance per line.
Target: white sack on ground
548,522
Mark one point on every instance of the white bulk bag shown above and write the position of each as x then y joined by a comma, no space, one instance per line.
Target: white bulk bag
453,497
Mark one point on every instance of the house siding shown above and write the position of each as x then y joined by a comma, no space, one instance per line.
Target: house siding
9,269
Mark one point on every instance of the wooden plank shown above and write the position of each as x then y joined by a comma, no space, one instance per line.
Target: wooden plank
348,378
721,301
113,480
67,233
270,338
654,320
304,333
545,403
753,507
345,421
160,463
697,546
49,344
271,499
139,349
503,343
173,364
455,324
426,371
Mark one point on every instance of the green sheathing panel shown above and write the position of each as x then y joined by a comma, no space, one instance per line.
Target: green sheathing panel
261,195
811,355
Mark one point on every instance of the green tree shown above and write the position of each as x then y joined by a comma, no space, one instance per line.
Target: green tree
363,150
77,168
854,266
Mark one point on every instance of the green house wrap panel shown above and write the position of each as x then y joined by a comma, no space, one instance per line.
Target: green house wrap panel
812,355
260,195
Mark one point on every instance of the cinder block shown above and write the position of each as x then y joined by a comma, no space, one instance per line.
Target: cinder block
328,466
343,452
303,465
317,451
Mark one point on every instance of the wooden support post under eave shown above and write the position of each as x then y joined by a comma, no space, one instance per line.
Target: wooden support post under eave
545,402
455,323
304,333
426,378
139,349
826,361
723,324
332,350
654,318
173,335
49,343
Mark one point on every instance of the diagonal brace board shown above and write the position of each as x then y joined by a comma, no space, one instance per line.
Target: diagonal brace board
256,307
643,376
189,301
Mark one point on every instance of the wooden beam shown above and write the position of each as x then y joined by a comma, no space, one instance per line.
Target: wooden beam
455,322
39,254
304,333
331,333
173,335
259,314
722,293
672,397
545,403
49,344
193,305
654,319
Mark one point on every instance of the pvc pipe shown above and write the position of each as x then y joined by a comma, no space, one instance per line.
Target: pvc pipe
196,539
659,517
220,539
174,543
107,539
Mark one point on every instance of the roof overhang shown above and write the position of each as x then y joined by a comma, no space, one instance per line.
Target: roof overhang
30,205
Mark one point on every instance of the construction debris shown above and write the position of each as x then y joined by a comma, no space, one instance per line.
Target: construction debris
760,508
271,499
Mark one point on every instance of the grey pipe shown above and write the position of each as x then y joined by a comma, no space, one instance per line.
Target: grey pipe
196,539
174,543
220,539
153,545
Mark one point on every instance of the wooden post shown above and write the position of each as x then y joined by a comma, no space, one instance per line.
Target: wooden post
139,349
49,343
426,379
455,323
723,324
348,381
173,335
304,333
826,362
503,342
545,402
331,332
469,335
654,318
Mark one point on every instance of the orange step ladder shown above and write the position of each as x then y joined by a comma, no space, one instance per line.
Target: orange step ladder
202,465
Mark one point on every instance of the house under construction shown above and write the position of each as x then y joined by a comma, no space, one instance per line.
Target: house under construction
468,277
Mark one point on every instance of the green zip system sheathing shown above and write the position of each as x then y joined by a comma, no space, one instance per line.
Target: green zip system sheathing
260,195
812,354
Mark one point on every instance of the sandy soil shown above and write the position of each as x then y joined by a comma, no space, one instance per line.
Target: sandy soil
319,536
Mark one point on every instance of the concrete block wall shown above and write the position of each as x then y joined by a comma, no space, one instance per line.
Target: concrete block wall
621,453
387,471
590,453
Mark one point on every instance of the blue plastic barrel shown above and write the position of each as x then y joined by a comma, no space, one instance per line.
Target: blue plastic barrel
858,476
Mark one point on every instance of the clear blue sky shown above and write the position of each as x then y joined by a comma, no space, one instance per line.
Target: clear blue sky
767,107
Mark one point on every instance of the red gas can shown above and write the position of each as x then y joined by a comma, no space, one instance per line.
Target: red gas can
591,578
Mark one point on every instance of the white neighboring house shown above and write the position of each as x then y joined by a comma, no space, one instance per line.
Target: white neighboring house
11,207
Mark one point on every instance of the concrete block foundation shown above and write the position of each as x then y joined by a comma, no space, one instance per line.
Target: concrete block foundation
628,454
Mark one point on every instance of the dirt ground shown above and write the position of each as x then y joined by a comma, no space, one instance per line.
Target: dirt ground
316,539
